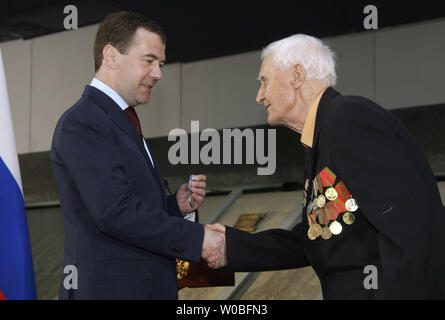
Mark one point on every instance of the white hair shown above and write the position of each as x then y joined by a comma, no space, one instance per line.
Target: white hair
317,58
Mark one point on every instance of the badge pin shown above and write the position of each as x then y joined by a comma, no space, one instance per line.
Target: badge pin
348,218
326,233
314,231
321,201
331,194
351,205
335,227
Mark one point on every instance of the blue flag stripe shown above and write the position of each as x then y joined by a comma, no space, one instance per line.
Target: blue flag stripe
16,266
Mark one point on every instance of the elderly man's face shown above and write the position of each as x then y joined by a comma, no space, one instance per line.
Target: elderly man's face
276,92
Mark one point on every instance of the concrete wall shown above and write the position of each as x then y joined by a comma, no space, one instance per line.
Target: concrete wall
397,67
410,65
62,63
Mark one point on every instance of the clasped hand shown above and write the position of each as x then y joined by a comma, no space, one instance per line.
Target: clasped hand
214,246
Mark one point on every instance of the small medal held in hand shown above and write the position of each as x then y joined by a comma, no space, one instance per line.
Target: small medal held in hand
191,200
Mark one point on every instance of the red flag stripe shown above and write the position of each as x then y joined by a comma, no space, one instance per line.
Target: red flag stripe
2,297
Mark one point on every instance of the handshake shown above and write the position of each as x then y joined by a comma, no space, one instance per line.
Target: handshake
214,245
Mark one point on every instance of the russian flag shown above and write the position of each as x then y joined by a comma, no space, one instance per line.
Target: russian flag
16,267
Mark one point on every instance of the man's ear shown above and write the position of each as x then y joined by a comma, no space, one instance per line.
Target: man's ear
112,57
298,75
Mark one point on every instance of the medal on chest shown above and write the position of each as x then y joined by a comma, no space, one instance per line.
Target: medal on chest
328,200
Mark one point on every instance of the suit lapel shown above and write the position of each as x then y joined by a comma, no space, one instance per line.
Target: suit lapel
121,120
158,176
154,169
116,114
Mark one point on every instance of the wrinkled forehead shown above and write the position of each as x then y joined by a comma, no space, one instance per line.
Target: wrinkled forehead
268,67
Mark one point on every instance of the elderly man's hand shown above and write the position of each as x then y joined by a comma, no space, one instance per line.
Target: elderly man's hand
216,227
216,257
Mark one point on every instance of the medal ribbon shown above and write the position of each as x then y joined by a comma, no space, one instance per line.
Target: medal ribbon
322,217
332,209
342,191
327,177
329,212
311,218
340,205
319,184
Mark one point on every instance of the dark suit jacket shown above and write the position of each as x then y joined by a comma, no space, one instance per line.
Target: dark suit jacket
122,231
399,224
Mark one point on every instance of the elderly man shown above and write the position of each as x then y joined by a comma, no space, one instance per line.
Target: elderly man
372,218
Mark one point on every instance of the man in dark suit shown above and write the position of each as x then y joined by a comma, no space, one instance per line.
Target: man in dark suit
122,232
373,219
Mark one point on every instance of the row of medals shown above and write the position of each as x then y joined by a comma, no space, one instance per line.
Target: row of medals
334,228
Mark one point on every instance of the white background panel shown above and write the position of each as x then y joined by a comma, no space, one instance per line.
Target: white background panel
221,92
355,63
17,63
62,64
410,65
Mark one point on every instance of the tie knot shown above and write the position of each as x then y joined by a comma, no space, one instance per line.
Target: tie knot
133,117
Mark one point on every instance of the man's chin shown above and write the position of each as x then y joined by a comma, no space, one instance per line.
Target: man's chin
271,121
144,100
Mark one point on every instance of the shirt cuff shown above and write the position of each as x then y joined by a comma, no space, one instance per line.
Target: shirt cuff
191,216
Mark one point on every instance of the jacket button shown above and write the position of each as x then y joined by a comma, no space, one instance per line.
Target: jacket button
177,250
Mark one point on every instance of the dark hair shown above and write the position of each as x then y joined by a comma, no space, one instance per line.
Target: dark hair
118,30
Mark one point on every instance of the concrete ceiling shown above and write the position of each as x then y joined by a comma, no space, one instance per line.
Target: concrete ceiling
204,29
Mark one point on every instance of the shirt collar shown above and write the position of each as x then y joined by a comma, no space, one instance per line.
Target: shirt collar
109,92
307,135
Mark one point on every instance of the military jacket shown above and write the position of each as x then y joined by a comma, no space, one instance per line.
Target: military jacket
373,195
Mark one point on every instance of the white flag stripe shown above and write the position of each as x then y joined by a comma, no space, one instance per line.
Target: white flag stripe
8,151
